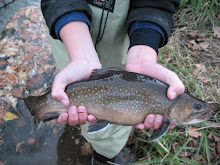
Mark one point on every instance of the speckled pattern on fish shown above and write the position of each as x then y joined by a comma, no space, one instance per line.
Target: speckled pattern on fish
120,97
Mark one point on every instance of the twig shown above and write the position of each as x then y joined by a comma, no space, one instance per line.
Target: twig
193,130
163,146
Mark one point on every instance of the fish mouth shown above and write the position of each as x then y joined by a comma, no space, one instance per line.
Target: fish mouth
205,115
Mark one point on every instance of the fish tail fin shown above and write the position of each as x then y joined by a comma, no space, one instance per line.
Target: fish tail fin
30,102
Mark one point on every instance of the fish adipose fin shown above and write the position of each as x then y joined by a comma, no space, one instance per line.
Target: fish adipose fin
98,126
157,134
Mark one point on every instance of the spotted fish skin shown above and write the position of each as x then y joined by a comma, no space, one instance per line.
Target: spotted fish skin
112,94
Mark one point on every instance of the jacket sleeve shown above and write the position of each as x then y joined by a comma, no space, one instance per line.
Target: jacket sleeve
54,9
159,12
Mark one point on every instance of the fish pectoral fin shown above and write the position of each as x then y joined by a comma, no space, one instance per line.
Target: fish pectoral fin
160,132
98,126
38,122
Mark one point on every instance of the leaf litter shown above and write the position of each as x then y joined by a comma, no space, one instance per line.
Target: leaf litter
27,67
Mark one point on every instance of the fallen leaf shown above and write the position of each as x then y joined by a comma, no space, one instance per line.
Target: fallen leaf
2,112
16,92
10,116
86,149
55,131
217,31
18,146
11,100
194,34
217,138
11,77
31,141
193,132
192,44
204,45
76,141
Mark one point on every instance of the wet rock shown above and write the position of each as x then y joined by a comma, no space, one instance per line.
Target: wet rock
4,3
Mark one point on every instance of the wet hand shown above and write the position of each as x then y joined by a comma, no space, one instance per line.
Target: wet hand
73,72
76,115
143,59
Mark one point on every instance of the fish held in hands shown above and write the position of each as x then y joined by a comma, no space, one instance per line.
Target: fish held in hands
116,96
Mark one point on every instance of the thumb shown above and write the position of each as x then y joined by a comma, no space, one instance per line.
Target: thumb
58,89
176,86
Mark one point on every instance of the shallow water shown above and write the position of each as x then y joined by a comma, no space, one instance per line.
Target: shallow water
26,68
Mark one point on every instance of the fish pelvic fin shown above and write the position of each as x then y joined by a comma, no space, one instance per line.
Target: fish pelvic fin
159,133
98,126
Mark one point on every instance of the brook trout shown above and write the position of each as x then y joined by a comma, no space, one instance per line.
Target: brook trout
125,98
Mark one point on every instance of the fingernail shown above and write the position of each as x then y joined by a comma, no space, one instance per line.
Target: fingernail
81,110
63,102
173,94
151,119
73,110
159,118
64,117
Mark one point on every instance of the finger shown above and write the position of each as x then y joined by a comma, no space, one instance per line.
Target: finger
73,118
91,118
62,119
82,114
176,86
58,89
158,121
139,126
172,126
149,121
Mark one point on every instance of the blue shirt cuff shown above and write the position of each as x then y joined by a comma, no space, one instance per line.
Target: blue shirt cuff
148,25
73,16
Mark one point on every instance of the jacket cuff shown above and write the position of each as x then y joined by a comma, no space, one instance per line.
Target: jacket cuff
146,33
73,16
148,25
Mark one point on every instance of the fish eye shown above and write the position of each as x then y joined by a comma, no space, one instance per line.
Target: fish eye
197,106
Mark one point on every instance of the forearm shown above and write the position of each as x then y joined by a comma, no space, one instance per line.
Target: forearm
77,40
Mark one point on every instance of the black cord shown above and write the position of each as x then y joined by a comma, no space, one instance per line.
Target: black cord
100,25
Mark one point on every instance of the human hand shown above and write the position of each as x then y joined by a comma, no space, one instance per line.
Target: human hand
83,59
143,59
75,71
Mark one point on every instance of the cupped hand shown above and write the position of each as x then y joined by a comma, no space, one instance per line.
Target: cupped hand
143,59
73,72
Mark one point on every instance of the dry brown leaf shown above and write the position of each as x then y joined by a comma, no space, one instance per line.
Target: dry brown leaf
204,45
194,34
55,131
18,146
11,100
86,149
194,45
217,31
2,112
31,141
206,80
193,132
11,77
76,141
16,92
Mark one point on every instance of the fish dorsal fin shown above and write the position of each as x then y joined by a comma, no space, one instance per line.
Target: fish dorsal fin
98,126
157,134
105,72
